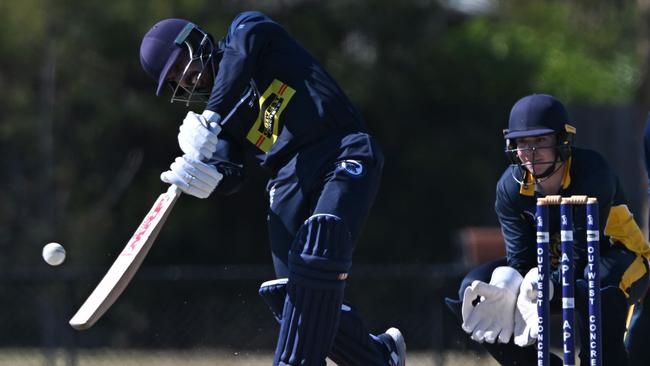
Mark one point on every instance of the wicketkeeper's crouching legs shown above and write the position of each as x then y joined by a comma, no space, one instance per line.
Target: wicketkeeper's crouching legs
309,305
614,311
614,303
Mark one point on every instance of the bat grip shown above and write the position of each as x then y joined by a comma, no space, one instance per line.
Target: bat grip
174,190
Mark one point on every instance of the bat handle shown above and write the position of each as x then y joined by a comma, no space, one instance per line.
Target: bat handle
174,190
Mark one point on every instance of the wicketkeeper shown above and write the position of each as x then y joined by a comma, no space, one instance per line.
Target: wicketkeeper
268,98
497,300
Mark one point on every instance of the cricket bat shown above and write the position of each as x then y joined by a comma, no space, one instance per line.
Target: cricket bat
127,263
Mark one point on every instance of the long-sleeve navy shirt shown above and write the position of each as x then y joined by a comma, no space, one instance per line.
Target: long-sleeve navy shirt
586,173
274,98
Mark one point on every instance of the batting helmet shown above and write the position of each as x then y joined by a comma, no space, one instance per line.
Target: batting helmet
162,46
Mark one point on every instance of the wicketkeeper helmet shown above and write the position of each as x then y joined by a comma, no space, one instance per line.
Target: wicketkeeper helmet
537,115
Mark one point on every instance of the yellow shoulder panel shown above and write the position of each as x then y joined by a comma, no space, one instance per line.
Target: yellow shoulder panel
622,227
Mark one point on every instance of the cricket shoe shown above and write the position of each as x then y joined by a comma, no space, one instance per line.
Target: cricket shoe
394,341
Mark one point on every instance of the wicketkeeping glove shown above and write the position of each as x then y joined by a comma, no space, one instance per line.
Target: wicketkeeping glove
198,136
526,320
192,176
493,316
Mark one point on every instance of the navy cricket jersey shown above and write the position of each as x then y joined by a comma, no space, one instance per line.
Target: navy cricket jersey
274,99
586,173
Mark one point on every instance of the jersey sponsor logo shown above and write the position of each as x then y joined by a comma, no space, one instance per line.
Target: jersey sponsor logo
266,128
351,167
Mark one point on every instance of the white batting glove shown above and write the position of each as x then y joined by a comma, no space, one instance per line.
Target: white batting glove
526,320
192,176
198,136
492,317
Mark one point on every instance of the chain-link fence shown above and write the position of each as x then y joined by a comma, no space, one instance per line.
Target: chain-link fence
206,315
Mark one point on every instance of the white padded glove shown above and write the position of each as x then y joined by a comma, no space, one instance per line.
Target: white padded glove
192,176
526,320
198,135
492,317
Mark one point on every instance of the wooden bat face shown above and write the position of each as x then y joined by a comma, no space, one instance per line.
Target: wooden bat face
127,263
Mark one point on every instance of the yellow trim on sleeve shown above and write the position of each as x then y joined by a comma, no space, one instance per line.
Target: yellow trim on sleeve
621,227
633,273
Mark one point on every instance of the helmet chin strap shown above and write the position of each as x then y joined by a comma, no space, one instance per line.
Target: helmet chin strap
548,172
538,178
551,169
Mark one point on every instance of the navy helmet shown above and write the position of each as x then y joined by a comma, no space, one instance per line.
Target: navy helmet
162,47
537,115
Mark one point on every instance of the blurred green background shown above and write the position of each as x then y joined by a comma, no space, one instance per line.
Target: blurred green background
83,140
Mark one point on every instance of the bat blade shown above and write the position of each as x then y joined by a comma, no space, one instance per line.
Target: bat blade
127,263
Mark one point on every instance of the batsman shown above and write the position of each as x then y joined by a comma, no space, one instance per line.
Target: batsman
497,303
267,98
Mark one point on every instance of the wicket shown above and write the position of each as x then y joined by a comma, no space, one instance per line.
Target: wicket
567,278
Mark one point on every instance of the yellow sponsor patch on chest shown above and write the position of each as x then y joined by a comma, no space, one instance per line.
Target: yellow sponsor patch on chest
266,128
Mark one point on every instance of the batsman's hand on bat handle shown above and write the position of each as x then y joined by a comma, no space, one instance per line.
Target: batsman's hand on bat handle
198,138
192,176
198,134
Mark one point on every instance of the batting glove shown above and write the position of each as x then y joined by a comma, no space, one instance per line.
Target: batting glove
492,317
526,320
192,176
198,136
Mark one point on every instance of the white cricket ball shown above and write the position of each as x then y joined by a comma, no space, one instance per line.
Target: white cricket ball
54,254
